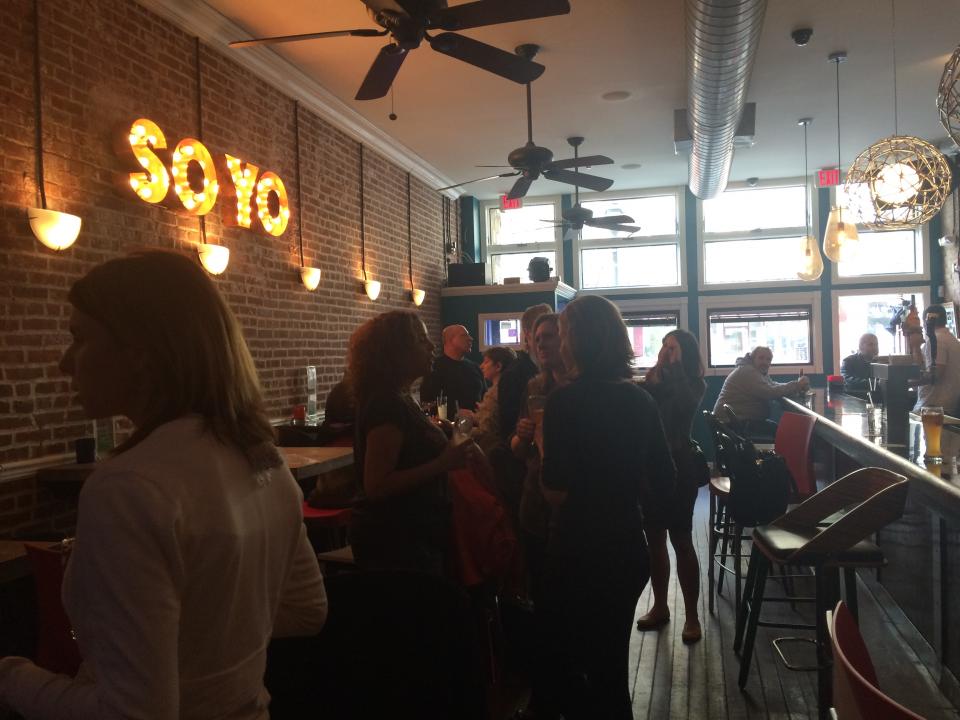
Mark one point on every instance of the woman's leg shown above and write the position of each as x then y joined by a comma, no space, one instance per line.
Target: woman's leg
688,574
659,579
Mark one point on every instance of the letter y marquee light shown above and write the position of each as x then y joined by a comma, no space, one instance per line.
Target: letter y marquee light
153,183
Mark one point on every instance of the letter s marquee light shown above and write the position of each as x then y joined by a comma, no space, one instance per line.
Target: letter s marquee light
153,184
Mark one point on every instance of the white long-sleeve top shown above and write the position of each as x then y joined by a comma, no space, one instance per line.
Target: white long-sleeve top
185,564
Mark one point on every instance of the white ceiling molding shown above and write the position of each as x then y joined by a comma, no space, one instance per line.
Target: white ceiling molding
201,20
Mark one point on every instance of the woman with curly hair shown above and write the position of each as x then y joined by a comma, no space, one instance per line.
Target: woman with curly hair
676,384
402,521
604,457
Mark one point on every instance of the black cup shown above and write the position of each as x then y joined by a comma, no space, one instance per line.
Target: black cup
86,449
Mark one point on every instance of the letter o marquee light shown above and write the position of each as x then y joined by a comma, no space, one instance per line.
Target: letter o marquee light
152,184
273,224
187,151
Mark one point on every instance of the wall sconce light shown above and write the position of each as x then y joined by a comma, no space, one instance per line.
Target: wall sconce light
214,258
56,230
416,294
310,276
371,287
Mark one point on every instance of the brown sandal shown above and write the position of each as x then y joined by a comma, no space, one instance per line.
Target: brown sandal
649,622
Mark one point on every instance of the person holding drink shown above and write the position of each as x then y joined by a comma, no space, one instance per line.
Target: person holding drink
942,357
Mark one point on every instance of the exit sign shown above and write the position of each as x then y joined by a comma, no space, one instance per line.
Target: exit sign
828,177
514,204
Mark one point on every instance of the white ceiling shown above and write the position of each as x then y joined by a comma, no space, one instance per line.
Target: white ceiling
455,116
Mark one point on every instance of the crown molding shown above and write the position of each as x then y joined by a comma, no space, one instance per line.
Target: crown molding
201,20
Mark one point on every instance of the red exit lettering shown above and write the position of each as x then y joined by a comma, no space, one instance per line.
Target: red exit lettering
506,204
828,177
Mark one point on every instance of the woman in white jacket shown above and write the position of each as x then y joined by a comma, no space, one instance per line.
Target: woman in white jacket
190,550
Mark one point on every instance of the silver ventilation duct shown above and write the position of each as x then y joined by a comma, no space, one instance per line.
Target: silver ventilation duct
722,38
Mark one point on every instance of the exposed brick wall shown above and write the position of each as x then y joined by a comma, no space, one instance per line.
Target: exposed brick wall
105,63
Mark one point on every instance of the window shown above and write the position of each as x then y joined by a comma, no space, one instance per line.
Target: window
881,253
735,332
646,331
754,235
650,257
860,312
513,237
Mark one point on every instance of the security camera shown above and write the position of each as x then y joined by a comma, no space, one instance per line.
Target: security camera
753,181
801,36
947,241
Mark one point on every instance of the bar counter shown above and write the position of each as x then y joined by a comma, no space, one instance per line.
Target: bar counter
920,581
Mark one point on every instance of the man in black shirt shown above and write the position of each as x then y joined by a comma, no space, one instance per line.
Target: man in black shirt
514,381
453,376
856,368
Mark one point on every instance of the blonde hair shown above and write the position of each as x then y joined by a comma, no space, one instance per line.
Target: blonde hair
195,360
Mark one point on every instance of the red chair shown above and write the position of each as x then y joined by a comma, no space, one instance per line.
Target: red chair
855,691
792,442
57,651
330,523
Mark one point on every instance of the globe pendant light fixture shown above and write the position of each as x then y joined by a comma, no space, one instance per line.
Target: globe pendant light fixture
416,294
907,179
371,287
56,230
948,96
811,263
310,276
840,238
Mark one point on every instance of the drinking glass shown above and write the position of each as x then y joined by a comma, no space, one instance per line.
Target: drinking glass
535,405
442,408
932,419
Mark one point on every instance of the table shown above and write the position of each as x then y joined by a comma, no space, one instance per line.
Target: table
13,558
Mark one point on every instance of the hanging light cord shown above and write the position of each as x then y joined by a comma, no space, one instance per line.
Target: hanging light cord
38,104
806,179
203,218
363,239
837,62
296,135
893,37
409,235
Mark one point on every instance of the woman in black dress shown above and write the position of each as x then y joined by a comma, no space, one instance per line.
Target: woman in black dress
604,454
676,383
402,457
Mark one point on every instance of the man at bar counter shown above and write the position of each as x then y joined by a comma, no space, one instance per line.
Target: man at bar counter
453,375
748,391
942,354
855,368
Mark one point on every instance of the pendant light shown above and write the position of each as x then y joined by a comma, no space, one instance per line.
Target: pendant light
811,263
840,238
416,294
906,178
213,257
56,230
310,276
371,287
948,96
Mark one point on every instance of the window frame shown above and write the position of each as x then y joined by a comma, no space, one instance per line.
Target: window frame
556,246
578,244
839,353
755,302
762,234
675,305
923,235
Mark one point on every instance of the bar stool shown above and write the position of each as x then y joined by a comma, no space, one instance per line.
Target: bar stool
719,495
869,499
329,523
792,442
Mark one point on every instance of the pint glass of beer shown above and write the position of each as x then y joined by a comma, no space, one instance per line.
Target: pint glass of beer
932,418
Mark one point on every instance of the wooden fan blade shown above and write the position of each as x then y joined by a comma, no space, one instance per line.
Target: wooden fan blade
487,57
306,36
487,12
609,220
488,177
591,182
381,74
579,162
520,188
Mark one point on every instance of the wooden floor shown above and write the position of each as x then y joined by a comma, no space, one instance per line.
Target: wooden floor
673,680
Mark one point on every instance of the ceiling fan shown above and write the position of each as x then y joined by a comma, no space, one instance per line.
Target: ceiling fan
407,22
531,161
577,216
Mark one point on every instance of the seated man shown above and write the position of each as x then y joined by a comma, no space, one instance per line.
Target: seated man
454,375
855,369
748,391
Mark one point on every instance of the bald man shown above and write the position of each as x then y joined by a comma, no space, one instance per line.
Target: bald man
453,375
855,369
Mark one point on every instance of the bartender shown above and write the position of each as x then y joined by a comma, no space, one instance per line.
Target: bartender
941,353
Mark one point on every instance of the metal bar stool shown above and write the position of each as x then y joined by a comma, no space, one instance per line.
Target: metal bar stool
868,499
